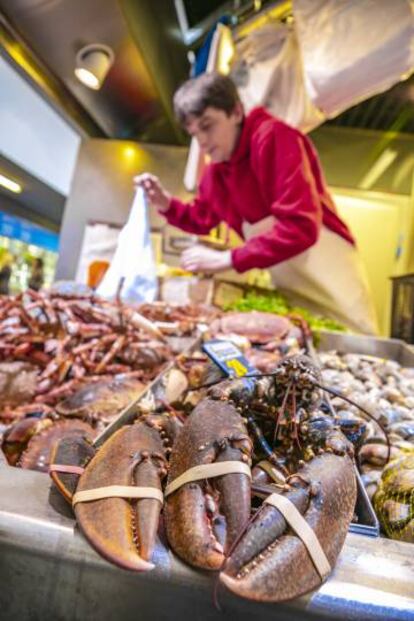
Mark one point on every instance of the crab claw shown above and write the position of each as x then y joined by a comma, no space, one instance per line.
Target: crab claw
16,437
270,562
38,453
214,433
123,530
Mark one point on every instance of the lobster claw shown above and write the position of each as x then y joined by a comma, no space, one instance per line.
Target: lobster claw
214,433
270,562
123,529
69,457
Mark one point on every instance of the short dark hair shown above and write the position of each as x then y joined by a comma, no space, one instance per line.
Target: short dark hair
208,89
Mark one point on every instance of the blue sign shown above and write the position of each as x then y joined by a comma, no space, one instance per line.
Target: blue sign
25,231
229,358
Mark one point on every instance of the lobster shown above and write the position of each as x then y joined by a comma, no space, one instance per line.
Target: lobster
300,456
251,447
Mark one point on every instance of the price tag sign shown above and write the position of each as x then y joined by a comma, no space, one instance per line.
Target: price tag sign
229,358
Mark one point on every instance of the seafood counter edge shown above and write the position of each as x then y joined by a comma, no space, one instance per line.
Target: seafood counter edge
48,567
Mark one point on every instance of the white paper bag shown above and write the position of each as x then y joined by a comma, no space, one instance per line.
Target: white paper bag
133,260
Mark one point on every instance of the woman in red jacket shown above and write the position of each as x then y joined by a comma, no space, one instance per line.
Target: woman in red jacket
266,183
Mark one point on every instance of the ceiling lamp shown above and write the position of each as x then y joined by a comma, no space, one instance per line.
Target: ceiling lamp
10,185
92,64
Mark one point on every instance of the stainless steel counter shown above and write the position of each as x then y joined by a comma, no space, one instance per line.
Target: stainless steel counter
48,571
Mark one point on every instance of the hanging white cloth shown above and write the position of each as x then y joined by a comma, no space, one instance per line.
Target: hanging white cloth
268,72
336,54
353,49
133,262
328,279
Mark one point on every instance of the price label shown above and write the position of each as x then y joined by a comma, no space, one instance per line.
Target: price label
229,358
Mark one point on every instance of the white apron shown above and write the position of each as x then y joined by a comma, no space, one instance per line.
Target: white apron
328,279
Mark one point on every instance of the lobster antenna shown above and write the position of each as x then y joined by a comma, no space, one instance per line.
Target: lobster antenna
282,409
212,383
336,393
227,378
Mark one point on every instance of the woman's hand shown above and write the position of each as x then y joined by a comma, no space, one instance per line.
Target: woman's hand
154,191
203,259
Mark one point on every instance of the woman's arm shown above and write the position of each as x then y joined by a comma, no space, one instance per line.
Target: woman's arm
283,167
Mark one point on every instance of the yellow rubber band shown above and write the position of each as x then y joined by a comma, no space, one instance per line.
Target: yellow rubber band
207,471
298,523
117,491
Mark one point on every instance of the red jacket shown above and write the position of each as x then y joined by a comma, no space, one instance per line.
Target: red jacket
274,170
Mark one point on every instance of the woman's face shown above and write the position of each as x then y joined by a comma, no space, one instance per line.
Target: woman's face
216,131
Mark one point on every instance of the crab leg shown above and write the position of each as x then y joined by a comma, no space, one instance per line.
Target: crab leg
121,529
142,323
214,433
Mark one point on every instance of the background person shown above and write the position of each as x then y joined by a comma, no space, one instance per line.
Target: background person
37,276
6,262
265,181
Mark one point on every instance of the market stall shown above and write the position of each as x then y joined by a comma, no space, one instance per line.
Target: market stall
45,554
192,418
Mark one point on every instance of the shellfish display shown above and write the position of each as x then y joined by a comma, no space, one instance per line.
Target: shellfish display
69,364
224,474
385,389
250,477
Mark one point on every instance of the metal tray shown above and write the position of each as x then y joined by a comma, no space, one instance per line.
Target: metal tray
367,522
393,349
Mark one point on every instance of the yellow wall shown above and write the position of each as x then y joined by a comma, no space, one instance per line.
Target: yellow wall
382,225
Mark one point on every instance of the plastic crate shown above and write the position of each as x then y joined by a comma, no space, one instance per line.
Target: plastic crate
402,314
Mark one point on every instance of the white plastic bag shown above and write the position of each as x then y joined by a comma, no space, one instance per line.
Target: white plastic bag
133,261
